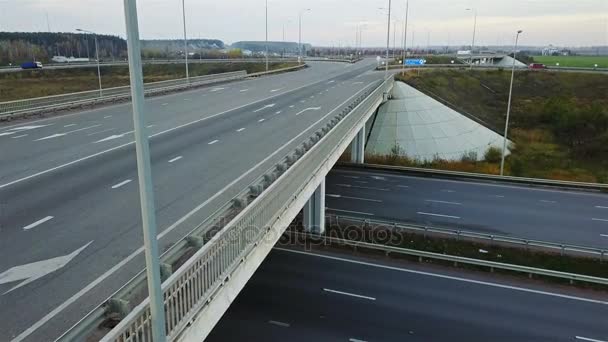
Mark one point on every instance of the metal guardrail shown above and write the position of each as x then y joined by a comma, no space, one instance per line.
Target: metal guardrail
202,226
459,260
58,102
481,176
562,247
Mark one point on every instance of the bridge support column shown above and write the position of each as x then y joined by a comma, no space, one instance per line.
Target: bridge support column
357,149
314,211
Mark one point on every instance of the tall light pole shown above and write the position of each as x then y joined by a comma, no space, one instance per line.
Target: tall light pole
266,35
146,190
395,22
96,56
388,38
474,32
300,34
407,9
185,40
504,143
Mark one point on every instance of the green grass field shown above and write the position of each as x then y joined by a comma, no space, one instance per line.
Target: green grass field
573,61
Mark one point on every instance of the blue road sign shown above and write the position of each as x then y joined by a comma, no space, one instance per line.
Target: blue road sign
415,61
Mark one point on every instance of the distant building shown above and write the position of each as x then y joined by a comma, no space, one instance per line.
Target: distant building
554,51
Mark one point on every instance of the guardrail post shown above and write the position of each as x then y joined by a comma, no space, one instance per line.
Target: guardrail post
602,256
563,250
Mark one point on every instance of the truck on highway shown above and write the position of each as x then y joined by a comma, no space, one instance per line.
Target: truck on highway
31,65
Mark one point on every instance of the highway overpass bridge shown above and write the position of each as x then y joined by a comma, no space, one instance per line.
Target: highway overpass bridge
256,151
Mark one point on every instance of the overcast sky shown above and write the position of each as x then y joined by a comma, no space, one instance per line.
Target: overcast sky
330,22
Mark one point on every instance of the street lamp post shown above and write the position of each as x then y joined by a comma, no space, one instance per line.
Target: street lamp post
185,40
96,56
146,190
504,144
474,32
407,8
300,35
266,35
388,38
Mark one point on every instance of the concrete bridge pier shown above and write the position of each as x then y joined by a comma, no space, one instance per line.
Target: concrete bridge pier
314,211
357,154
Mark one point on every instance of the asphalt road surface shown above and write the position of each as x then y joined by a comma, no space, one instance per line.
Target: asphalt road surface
69,206
296,296
572,217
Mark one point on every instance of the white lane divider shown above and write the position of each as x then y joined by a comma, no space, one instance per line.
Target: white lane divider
330,82
113,137
70,125
37,223
354,198
291,106
243,90
438,215
213,142
107,116
261,120
216,89
589,339
104,131
600,207
20,136
352,339
121,184
265,107
349,294
443,202
57,135
280,324
164,104
361,187
604,235
240,129
308,109
546,201
27,128
175,159
275,90
277,113
350,211
403,186
357,83
599,220
448,191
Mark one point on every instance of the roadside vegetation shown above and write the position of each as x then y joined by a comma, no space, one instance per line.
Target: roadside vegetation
559,121
46,82
573,61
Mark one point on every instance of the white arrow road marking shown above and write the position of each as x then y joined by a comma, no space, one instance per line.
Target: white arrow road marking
37,223
308,109
266,106
275,90
30,272
112,137
56,135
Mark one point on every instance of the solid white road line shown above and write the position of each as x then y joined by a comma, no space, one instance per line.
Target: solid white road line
7,133
599,220
438,215
123,183
354,198
275,90
588,339
20,136
213,142
443,202
70,125
37,223
349,294
351,212
361,187
280,324
355,340
240,129
175,159
600,207
55,312
308,109
441,276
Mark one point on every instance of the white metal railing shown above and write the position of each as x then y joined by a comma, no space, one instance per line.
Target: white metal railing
192,286
11,108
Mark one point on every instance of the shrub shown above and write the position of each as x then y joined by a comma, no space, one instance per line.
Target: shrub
493,155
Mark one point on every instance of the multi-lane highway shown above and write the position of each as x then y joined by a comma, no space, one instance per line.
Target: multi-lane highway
70,221
573,217
301,296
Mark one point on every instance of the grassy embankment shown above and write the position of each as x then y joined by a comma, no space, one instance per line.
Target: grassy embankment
37,83
573,61
559,121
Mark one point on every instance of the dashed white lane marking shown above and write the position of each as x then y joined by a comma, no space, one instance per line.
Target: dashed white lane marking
354,198
57,135
361,187
600,207
243,90
37,223
280,324
588,339
216,89
349,294
20,136
350,211
266,106
186,99
599,220
240,129
403,186
27,128
449,191
302,101
261,120
357,83
352,177
546,201
308,109
107,116
213,142
70,125
275,90
355,340
312,96
175,159
278,112
164,104
121,184
604,235
291,106
438,215
443,202
104,131
330,82
113,137
499,196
